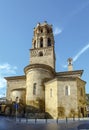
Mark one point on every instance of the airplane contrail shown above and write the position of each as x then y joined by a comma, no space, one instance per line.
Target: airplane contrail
85,48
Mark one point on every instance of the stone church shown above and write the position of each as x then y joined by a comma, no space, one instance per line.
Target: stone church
61,94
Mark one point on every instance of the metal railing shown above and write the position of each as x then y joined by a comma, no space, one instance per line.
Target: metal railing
48,121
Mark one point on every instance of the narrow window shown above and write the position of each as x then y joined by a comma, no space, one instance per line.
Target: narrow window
41,30
47,30
49,42
67,90
50,30
34,89
51,92
41,42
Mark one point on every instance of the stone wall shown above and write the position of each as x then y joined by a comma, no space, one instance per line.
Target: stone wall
13,85
47,58
36,76
51,101
81,97
60,104
67,101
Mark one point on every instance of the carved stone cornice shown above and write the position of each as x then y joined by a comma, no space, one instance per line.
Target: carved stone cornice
15,77
70,73
42,66
19,89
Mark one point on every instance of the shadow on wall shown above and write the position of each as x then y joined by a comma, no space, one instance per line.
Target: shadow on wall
33,112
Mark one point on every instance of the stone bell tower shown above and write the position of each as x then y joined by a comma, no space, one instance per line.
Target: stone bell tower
41,67
42,51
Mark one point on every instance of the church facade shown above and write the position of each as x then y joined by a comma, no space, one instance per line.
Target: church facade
61,94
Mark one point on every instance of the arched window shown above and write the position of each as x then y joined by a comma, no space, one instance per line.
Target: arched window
34,89
41,30
67,90
50,30
41,42
40,53
49,42
51,92
47,30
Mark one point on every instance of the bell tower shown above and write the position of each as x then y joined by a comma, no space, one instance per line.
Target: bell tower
42,51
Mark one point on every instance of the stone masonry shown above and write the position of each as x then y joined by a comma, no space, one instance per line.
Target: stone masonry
60,94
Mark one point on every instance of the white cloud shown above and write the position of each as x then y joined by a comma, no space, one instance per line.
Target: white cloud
2,95
85,48
5,70
57,31
2,82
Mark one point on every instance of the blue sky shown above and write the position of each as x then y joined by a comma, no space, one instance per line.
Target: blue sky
70,20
